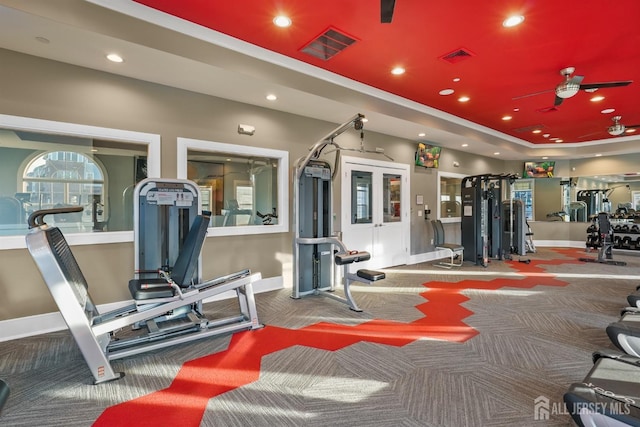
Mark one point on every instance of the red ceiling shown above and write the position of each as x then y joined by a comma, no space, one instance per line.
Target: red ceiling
600,38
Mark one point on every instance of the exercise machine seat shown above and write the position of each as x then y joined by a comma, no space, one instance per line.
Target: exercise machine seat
371,275
183,269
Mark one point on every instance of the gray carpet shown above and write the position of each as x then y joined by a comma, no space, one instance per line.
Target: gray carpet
532,342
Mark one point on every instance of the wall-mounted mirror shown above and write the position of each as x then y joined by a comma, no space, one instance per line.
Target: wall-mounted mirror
46,164
449,207
244,188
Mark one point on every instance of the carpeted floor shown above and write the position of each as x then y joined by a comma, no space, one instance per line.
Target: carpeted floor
471,346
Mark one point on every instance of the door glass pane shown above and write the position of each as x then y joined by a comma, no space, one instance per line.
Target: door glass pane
391,198
361,198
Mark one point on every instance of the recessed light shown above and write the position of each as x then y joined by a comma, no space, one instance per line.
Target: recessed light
114,57
397,71
598,155
512,21
632,130
43,40
282,21
365,120
608,110
464,99
536,131
456,79
94,150
444,92
421,134
271,97
597,98
546,135
465,145
558,140
545,157
516,109
497,153
506,118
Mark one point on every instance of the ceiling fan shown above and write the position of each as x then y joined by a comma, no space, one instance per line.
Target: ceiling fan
618,128
571,85
386,11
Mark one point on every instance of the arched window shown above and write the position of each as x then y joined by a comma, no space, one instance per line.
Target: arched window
64,178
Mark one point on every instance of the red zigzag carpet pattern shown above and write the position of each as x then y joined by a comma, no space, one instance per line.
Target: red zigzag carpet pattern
184,401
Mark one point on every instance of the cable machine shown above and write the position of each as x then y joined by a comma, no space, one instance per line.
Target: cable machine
317,250
491,226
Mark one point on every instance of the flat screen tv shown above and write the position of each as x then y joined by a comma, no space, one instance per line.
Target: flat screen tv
538,169
428,156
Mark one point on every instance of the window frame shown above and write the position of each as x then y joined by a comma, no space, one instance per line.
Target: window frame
185,144
152,141
438,201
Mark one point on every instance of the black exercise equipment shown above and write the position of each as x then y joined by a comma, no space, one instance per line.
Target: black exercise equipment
610,393
603,240
4,393
483,222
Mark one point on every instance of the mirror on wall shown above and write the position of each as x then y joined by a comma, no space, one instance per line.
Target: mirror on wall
578,199
245,188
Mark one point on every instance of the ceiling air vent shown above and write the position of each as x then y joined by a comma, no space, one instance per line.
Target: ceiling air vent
457,56
328,44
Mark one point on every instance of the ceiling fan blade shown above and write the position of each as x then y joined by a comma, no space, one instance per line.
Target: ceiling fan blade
386,11
605,84
532,94
558,101
576,79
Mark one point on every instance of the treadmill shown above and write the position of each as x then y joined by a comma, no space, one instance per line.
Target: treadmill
609,396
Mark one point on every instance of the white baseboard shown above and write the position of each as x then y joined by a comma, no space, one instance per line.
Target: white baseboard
51,322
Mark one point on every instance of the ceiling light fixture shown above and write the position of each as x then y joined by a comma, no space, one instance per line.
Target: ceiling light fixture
598,155
271,97
497,153
114,57
608,110
445,92
464,99
597,98
616,128
456,79
536,131
465,145
546,135
630,130
506,118
421,134
398,71
282,21
545,157
513,21
516,109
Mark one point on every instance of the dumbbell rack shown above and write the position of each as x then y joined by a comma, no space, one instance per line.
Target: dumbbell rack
626,234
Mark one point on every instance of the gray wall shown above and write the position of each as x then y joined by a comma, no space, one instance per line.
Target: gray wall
43,89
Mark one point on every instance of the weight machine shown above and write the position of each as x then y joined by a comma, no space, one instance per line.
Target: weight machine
167,292
491,226
317,250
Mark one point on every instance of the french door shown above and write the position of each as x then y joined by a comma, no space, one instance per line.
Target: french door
375,211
